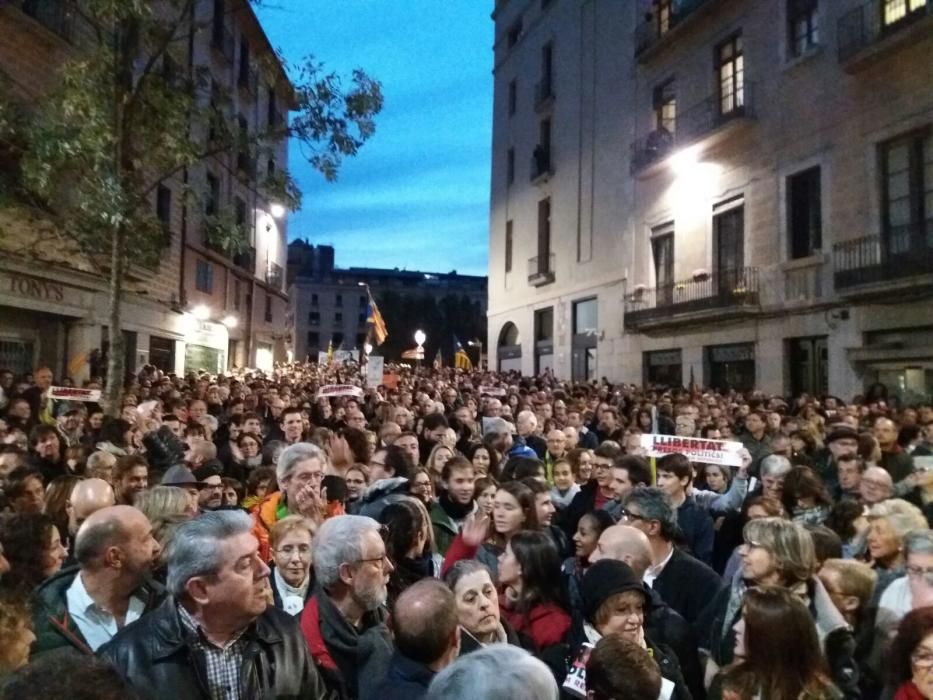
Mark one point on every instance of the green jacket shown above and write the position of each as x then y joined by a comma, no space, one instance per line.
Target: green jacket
53,626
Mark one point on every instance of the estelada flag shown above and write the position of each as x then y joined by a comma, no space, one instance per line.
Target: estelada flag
374,317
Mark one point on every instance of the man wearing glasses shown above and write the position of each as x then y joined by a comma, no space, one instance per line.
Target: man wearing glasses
344,621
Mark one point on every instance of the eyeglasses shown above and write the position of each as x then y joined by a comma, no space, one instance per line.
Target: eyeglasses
381,560
920,572
922,659
630,516
302,550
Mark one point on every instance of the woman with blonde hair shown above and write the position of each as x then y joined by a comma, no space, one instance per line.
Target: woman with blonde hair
16,635
779,552
889,522
166,507
292,578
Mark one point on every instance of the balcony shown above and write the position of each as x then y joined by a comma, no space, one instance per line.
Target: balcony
805,280
541,270
222,42
873,30
714,118
54,15
274,276
725,294
246,260
652,35
541,166
544,94
874,265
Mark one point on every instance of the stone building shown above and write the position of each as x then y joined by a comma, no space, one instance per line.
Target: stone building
199,308
739,193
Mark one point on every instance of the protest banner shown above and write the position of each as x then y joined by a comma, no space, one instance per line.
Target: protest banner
723,452
375,366
72,393
492,391
331,390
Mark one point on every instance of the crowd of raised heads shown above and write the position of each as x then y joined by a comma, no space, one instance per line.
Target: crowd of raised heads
461,534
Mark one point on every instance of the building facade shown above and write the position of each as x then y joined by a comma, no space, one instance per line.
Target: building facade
329,304
738,194
200,308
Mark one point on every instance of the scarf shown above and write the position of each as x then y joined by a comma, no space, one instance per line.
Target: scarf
457,511
362,656
293,599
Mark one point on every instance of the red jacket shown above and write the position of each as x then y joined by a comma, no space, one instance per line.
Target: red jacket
546,624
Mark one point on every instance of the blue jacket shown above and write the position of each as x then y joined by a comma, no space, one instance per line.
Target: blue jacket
405,680
696,524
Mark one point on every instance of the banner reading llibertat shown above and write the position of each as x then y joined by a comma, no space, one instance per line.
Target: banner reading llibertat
724,452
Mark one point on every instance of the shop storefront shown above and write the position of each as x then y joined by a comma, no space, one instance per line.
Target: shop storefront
730,366
664,367
206,348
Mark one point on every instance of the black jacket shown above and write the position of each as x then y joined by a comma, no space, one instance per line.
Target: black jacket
687,585
154,656
584,502
405,680
665,626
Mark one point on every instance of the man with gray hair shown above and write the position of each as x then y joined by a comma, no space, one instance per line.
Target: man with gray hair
216,636
344,621
683,582
498,672
82,607
299,472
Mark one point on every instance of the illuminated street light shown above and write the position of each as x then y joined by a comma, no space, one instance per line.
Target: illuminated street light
685,160
230,321
201,312
277,210
420,337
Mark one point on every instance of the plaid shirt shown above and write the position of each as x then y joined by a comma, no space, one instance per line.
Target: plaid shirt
223,665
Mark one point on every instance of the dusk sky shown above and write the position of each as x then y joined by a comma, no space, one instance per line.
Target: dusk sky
417,195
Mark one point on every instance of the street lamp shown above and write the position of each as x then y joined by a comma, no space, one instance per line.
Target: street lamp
368,348
201,312
477,343
277,210
420,337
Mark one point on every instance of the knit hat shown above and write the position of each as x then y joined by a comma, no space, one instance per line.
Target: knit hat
180,475
841,431
208,469
603,580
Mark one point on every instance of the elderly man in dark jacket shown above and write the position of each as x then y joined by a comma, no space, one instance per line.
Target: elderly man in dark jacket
217,636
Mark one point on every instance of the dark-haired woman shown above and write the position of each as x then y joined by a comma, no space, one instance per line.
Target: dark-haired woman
33,547
777,650
407,536
911,657
805,497
589,529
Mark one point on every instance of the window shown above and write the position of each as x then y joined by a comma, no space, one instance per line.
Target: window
513,97
546,88
897,10
338,300
585,316
544,235
361,319
364,302
665,107
314,318
514,34
730,67
270,168
239,211
907,167
337,340
212,205
360,339
544,324
803,213
662,250
664,15
268,308
729,248
802,26
314,338
508,246
542,154
314,300
271,112
237,291
338,317
244,61
510,166
204,277
164,207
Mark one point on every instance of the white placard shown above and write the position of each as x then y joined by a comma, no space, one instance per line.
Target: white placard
340,390
375,365
72,393
724,452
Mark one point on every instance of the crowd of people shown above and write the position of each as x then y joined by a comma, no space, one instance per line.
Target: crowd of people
462,534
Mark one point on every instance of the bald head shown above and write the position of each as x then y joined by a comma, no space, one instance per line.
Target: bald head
89,496
105,528
389,431
876,485
425,623
626,544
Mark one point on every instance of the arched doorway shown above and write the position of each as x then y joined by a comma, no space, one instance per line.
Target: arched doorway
509,348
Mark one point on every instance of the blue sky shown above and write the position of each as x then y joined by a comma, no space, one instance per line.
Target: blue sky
417,195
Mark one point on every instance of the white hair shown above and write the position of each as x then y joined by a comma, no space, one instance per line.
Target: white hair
497,672
775,465
339,541
293,454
